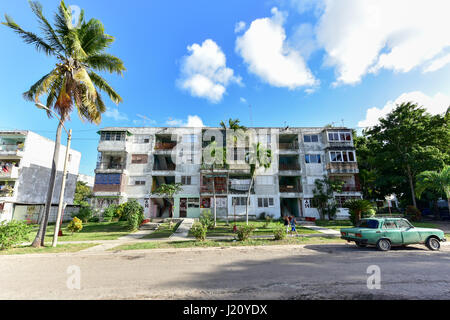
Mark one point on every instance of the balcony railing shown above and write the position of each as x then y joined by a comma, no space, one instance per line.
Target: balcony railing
11,147
165,145
220,189
169,167
342,167
9,171
112,166
290,188
216,166
351,188
288,166
239,188
288,145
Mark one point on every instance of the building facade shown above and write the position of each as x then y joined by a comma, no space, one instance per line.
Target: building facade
26,161
133,162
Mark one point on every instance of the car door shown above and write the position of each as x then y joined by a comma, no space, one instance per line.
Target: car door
409,233
392,232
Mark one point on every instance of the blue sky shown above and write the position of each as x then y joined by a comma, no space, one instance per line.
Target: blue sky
336,60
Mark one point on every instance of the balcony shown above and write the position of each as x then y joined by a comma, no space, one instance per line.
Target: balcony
9,172
288,145
6,189
165,145
216,166
12,149
290,188
166,167
239,185
351,188
342,167
288,167
220,189
110,166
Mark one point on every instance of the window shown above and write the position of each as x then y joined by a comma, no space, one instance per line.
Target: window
141,138
186,180
342,199
112,136
312,158
137,181
311,138
265,202
104,178
342,156
139,158
403,224
240,201
366,223
389,224
193,202
339,136
264,180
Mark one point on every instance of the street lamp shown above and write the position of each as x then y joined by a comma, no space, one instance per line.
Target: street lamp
63,183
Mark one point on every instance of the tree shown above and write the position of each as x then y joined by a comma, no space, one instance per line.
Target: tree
233,124
324,195
438,182
406,142
258,157
82,194
218,157
167,191
79,50
357,208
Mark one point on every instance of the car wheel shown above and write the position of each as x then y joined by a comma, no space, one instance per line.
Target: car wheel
433,244
384,245
361,245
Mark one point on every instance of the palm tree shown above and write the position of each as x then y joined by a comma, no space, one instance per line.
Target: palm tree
436,182
357,207
258,157
233,124
79,50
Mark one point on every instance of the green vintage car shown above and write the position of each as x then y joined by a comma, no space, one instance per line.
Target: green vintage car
387,232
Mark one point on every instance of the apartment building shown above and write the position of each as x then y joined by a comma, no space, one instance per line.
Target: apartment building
26,161
133,162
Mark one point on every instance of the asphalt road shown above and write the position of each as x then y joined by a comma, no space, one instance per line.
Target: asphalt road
337,271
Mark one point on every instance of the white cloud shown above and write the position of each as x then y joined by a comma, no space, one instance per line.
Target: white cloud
438,63
115,114
192,121
265,50
204,73
243,100
144,120
362,37
436,104
239,26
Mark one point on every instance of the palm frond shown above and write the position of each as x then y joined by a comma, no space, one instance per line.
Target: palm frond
105,87
93,38
41,86
29,37
105,62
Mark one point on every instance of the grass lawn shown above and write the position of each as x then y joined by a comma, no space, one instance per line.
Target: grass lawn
424,224
68,247
334,224
223,230
163,231
90,231
225,243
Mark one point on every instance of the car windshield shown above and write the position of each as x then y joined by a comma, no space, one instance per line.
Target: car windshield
371,224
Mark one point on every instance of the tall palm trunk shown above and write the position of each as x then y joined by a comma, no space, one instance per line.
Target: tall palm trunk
247,204
40,236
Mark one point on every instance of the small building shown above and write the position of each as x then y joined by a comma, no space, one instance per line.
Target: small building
89,180
26,161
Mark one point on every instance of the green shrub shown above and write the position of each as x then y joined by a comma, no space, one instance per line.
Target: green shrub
13,233
94,219
207,219
84,214
279,233
268,219
133,213
109,213
413,214
358,208
199,231
244,232
75,225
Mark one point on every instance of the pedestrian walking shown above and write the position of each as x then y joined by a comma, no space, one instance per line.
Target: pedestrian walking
293,223
286,223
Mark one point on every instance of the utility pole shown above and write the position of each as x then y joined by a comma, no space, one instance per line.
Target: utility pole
61,196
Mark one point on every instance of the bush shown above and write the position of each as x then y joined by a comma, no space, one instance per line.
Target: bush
207,219
94,219
244,232
84,214
279,233
359,208
109,213
13,233
75,225
199,231
413,214
133,213
268,219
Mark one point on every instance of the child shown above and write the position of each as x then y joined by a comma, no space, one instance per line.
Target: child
293,222
286,223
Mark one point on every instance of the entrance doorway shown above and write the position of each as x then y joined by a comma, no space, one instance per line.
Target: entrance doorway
183,207
290,207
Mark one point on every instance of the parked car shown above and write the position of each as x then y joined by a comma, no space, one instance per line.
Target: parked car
387,232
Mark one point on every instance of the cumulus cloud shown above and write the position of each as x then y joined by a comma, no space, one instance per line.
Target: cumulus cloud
239,26
437,63
204,72
115,114
362,37
143,120
436,104
192,121
243,100
268,55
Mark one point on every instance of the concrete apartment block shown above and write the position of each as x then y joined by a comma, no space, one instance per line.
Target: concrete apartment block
26,160
133,162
